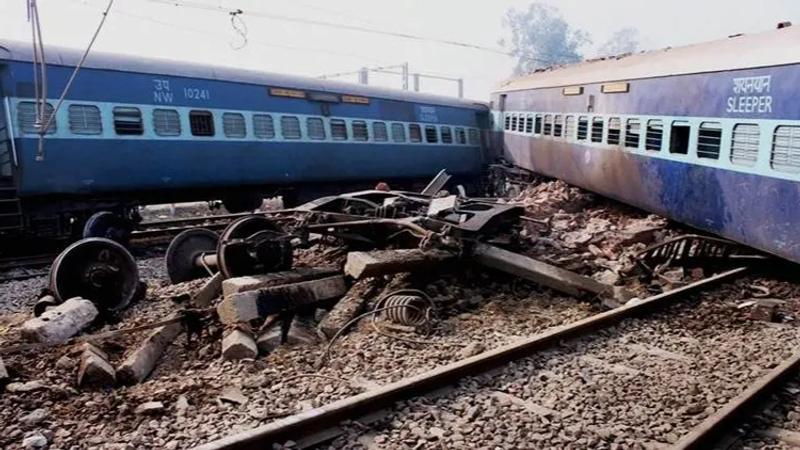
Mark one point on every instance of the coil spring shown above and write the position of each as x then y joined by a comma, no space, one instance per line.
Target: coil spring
407,310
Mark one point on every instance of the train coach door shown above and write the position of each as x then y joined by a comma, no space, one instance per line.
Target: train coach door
6,144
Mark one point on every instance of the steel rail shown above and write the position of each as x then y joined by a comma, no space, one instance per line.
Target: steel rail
320,424
709,431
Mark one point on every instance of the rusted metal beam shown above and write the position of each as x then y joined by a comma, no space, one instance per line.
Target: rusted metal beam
718,424
325,419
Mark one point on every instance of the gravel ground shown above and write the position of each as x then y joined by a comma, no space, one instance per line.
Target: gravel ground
776,425
641,384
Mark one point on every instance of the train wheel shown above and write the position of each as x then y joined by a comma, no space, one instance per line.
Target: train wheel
96,269
253,245
105,224
183,252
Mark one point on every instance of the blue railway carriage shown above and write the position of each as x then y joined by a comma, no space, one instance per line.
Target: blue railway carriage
134,131
707,135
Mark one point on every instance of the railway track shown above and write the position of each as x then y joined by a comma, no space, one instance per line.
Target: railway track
316,426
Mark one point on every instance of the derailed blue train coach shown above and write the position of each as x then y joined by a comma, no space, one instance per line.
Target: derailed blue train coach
134,131
707,135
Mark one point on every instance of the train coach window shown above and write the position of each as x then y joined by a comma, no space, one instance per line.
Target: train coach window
569,127
431,135
85,119
508,122
379,132
515,122
201,123
290,127
529,124
709,140
128,120
786,149
166,122
360,132
583,128
614,130
447,135
233,125
558,126
548,125
537,128
654,136
461,136
398,132
263,126
26,116
415,133
633,133
338,130
679,138
316,128
474,137
744,144
597,129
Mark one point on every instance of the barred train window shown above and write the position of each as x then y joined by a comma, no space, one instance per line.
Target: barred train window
360,132
26,117
786,149
290,127
461,136
447,135
128,120
474,137
514,122
537,128
614,130
569,127
548,125
583,128
85,119
508,122
431,135
398,132
597,129
201,123
709,140
338,130
315,128
166,122
633,133
414,133
558,127
379,132
679,138
263,126
655,133
529,124
744,144
233,125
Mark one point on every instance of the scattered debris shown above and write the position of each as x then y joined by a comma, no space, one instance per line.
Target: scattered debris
349,306
239,345
35,417
95,370
298,334
387,262
143,360
211,290
3,372
34,441
250,305
60,323
250,283
765,309
29,386
234,395
150,409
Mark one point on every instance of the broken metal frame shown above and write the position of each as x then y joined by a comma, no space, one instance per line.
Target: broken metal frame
321,424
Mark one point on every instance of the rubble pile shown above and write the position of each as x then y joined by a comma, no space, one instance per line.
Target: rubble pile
294,318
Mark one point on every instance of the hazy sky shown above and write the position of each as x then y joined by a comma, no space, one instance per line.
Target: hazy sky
149,28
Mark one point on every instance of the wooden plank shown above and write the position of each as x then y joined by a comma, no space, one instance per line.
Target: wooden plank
349,307
210,290
246,306
141,362
539,272
387,262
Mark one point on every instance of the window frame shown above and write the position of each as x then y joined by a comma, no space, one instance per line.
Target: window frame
267,119
85,130
593,138
655,127
415,133
431,134
734,156
791,156
204,114
287,119
360,125
166,132
617,132
319,126
403,134
380,136
122,111
227,117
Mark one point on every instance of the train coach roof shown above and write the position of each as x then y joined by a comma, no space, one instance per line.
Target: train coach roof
771,48
19,51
